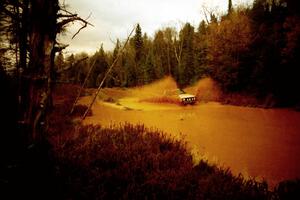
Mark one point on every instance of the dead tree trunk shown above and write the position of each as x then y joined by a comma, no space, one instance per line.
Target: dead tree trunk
42,37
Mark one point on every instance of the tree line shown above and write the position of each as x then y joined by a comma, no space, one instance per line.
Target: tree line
253,50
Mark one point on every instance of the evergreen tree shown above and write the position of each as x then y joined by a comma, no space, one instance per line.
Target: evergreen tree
160,54
138,43
148,66
200,48
116,76
229,6
138,47
213,18
99,69
186,68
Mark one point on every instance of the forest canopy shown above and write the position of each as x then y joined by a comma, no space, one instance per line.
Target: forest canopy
252,50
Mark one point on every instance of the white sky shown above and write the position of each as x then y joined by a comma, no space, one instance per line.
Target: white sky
114,19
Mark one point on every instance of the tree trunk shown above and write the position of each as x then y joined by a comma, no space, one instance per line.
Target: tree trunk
42,36
23,35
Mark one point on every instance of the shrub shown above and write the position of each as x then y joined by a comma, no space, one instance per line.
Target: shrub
128,161
61,122
133,162
289,189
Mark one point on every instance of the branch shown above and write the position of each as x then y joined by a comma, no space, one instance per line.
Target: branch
85,25
178,54
66,15
115,43
60,47
205,15
72,18
88,16
66,11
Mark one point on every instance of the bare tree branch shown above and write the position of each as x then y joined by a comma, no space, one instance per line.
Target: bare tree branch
69,17
85,25
88,16
66,15
205,13
112,41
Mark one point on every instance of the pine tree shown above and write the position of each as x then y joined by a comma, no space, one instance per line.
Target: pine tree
99,69
186,68
200,49
229,6
213,18
138,47
160,54
117,74
138,43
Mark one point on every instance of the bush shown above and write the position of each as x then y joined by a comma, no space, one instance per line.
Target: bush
289,189
61,121
133,162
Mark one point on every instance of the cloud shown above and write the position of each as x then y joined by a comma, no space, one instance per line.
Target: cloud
114,19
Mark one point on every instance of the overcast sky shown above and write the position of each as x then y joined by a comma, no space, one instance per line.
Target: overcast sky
114,19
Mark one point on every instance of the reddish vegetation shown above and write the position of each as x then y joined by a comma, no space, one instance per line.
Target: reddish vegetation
61,121
133,162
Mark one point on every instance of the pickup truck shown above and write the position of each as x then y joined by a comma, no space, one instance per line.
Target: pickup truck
183,97
187,99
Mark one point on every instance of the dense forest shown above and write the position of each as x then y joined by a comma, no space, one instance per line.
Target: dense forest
248,50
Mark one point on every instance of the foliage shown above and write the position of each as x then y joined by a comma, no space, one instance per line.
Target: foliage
133,162
228,44
186,67
253,51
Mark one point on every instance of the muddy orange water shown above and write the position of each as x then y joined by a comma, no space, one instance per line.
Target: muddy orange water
263,143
